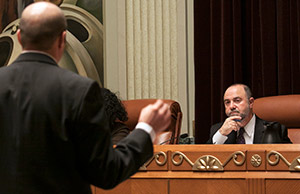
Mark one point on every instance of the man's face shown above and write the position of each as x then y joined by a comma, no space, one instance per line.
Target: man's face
236,102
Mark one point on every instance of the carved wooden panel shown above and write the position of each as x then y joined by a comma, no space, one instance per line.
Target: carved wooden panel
124,188
211,186
282,186
283,160
208,161
247,169
159,161
256,160
152,186
140,186
256,186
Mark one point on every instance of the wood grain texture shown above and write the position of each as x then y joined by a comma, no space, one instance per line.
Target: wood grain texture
282,186
140,186
171,179
211,186
255,186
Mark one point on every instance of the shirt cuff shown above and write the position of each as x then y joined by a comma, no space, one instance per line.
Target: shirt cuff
146,127
218,138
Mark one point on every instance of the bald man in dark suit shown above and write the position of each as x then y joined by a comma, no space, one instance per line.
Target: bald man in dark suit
54,135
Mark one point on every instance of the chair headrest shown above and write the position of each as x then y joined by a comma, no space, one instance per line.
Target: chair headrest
283,108
134,107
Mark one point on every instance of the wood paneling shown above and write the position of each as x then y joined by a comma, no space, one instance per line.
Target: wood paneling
282,186
211,186
140,186
254,158
255,186
245,178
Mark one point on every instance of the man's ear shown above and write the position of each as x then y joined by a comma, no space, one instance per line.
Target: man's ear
62,39
251,102
19,36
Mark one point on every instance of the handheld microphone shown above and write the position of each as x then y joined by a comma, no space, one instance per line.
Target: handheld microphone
182,136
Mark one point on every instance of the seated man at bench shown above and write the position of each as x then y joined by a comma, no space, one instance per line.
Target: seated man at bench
242,126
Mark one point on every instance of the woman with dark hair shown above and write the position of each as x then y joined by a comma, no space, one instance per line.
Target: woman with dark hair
116,114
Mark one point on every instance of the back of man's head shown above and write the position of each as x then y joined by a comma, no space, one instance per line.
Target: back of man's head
41,23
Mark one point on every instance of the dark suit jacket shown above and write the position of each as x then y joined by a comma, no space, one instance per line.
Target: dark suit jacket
119,132
258,133
54,136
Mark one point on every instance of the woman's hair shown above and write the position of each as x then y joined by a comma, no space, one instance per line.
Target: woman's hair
113,106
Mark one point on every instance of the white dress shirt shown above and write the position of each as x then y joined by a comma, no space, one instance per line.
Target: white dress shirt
218,138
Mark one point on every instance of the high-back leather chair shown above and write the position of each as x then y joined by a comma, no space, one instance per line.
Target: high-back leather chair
284,109
171,134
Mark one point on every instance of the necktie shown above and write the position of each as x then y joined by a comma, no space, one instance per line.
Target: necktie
240,138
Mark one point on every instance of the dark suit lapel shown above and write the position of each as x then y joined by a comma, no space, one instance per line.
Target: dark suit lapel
258,131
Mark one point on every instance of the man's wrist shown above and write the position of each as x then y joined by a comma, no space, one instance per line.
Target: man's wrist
218,138
221,132
147,128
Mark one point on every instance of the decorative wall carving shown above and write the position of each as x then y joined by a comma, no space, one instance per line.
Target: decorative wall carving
208,162
211,163
294,166
256,160
156,157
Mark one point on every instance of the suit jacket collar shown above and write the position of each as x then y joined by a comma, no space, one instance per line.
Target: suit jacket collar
36,56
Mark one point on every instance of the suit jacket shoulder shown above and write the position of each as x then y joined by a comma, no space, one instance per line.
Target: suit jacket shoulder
260,129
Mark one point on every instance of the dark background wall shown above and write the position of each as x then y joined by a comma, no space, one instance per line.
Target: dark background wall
255,42
8,12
